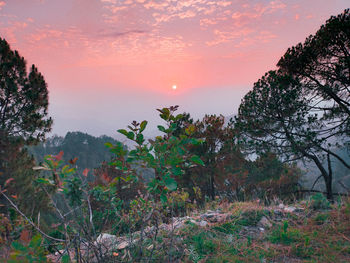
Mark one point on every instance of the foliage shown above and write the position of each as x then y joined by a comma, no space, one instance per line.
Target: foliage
221,157
281,234
23,98
90,151
18,177
168,155
277,117
31,253
268,178
321,64
318,201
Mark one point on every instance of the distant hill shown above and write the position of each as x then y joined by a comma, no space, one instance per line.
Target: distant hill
89,150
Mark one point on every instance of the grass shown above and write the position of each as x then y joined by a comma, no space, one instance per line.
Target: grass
314,235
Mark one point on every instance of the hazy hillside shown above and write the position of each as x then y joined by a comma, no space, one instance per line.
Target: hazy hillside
89,150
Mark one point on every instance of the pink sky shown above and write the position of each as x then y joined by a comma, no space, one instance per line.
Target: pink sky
108,62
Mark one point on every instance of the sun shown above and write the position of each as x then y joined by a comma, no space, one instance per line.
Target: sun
174,87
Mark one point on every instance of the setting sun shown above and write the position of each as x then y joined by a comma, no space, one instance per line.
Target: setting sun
174,87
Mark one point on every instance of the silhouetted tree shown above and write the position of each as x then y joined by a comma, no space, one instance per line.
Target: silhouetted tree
23,98
23,120
277,117
322,66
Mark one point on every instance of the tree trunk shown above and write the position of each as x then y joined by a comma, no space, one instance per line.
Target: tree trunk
329,190
212,188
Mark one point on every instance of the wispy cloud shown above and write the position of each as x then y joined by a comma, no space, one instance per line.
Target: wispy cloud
120,34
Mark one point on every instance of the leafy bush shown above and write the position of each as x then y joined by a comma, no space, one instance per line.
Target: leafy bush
281,234
319,201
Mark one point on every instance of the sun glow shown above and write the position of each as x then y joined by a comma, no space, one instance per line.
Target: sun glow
174,87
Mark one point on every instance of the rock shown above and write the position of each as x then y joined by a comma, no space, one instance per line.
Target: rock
123,245
106,239
264,223
203,223
211,216
289,209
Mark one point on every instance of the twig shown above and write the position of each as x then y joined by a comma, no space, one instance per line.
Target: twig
30,221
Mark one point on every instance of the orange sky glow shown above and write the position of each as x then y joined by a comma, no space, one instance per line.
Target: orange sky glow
108,62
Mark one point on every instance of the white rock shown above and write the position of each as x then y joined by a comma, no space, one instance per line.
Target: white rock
123,245
264,223
290,209
203,223
106,239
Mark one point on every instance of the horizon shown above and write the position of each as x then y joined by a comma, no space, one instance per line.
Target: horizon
110,62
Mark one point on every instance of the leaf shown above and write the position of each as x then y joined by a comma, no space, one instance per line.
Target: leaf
163,198
25,236
130,135
8,181
140,139
170,183
143,126
14,196
190,129
176,171
109,145
195,159
36,241
65,258
124,132
161,128
73,161
43,181
18,246
58,157
86,171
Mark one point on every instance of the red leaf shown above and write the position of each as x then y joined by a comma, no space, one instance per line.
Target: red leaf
58,157
25,236
14,196
8,181
86,171
106,177
73,161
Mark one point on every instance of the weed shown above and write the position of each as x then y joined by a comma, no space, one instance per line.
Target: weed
319,202
320,219
283,235
250,217
228,228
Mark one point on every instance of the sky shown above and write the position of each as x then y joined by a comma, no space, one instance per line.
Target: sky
109,62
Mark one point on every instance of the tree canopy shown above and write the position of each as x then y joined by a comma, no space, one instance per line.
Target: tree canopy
301,110
23,98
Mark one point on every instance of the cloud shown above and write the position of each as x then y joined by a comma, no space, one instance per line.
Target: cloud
121,34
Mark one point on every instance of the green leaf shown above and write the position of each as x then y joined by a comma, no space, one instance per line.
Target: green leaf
170,183
143,126
109,145
43,181
139,138
18,246
65,258
190,129
124,132
36,241
161,128
176,171
195,159
130,135
180,150
163,198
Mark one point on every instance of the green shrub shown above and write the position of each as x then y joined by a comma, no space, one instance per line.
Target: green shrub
318,202
283,235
